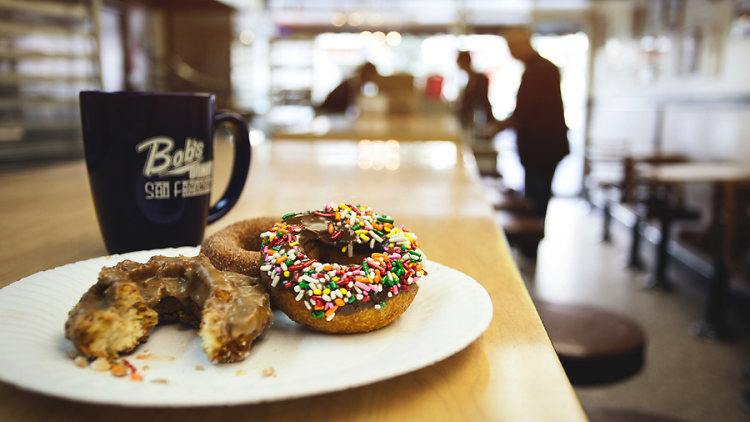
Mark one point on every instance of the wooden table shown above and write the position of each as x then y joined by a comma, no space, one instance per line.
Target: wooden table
510,373
723,176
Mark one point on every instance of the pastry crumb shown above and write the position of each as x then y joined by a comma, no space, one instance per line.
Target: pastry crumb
119,370
159,381
101,365
148,356
145,368
269,372
81,362
241,372
199,368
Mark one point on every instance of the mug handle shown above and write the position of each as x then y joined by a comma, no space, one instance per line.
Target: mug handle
240,168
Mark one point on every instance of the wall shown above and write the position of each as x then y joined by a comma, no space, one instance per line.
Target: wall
199,42
677,79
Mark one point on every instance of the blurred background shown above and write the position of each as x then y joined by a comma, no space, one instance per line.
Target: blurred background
651,215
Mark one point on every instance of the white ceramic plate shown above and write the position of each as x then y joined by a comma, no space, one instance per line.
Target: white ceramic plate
450,311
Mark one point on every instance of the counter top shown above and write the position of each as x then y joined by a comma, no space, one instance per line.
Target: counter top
511,373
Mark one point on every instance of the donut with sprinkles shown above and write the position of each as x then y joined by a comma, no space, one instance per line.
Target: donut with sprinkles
341,269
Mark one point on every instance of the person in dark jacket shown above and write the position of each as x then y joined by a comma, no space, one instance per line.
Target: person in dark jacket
538,119
345,93
475,101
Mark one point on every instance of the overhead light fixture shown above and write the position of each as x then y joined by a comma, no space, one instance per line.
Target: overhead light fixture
355,19
247,36
648,43
393,38
365,37
378,38
338,19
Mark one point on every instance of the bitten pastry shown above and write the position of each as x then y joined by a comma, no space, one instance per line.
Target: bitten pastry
129,299
342,269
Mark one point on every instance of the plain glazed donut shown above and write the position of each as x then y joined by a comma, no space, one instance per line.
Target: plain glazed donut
342,269
237,246
128,300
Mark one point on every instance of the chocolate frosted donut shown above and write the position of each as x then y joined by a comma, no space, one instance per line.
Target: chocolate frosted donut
129,299
342,269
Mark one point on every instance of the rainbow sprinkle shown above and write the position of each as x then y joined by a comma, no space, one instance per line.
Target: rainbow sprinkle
393,266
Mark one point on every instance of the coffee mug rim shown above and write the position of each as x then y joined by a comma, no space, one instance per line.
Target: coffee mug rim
148,93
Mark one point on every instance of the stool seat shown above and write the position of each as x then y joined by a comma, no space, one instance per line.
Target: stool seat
516,223
594,346
522,230
509,203
509,200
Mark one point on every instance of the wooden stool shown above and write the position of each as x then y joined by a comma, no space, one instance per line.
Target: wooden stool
510,200
594,346
597,347
520,227
522,230
502,197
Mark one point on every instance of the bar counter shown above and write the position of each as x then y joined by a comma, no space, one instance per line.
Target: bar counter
438,123
511,373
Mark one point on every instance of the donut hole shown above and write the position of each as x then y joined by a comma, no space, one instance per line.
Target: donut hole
251,243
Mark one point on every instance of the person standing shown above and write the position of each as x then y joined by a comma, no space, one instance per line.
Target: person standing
475,102
538,119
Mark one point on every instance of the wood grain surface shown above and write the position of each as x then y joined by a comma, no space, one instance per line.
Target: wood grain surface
510,373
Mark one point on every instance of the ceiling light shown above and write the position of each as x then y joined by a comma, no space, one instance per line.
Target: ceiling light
355,19
247,36
365,37
338,19
378,38
393,38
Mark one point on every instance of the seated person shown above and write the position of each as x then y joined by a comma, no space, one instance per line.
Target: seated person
344,95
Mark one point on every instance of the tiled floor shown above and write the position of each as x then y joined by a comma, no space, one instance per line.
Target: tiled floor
684,377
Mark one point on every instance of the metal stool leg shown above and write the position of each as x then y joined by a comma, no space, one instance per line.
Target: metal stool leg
658,280
634,258
607,222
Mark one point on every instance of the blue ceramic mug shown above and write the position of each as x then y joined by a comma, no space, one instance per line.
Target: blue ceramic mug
150,163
